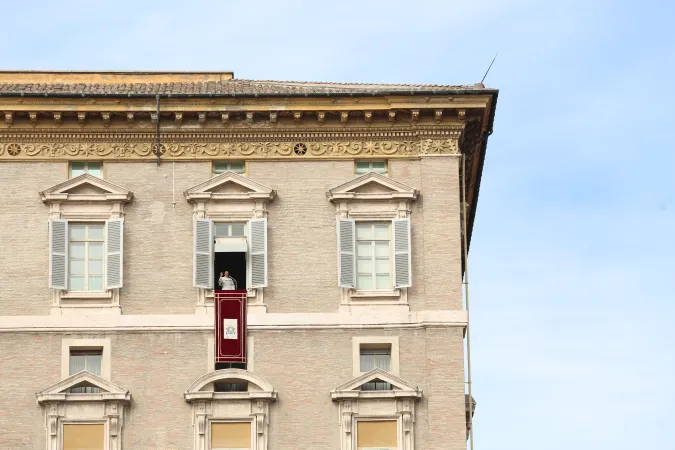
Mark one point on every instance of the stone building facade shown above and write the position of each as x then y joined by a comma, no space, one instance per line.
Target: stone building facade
355,314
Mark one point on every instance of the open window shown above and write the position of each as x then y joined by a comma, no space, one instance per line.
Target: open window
374,240
230,234
86,238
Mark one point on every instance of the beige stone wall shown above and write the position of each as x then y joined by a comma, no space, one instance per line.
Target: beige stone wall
303,366
24,258
158,236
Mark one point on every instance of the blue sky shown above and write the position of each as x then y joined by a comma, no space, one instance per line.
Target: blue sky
572,304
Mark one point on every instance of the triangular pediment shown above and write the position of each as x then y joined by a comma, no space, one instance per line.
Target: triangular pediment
229,186
88,188
377,375
61,390
372,186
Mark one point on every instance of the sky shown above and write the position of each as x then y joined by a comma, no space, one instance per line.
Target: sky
571,301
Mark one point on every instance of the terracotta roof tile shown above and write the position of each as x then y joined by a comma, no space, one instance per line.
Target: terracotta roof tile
225,87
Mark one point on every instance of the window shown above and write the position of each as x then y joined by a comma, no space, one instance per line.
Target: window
230,435
92,168
376,435
373,265
78,436
373,356
362,167
85,257
230,387
229,229
89,360
233,166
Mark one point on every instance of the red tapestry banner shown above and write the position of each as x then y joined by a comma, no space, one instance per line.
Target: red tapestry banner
230,314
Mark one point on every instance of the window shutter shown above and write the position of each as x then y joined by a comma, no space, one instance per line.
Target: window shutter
402,262
346,230
258,252
58,254
203,258
114,235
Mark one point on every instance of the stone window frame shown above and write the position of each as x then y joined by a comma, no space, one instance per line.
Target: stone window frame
358,341
396,404
394,202
250,203
103,344
105,203
62,407
251,406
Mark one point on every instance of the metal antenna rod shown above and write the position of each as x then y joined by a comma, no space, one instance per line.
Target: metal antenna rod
466,298
486,72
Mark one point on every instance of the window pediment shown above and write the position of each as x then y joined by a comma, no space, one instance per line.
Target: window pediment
202,388
372,186
400,387
86,188
229,186
60,390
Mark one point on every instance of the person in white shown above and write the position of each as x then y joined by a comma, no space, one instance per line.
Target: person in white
226,282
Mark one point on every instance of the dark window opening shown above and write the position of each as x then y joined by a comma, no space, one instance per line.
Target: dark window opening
233,262
376,385
89,360
230,365
230,387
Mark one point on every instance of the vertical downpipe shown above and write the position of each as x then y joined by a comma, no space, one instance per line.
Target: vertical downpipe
466,298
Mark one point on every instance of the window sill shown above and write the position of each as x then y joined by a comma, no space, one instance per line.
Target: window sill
250,293
86,295
357,294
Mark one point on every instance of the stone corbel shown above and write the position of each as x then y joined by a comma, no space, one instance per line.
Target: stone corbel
53,427
368,116
201,118
414,115
347,411
154,118
273,117
9,116
406,409
106,119
130,118
321,117
297,115
249,118
392,117
438,115
344,115
225,118
57,118
33,118
81,118
178,119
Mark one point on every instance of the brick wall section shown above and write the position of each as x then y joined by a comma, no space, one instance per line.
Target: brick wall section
442,239
302,238
157,239
24,257
29,363
303,366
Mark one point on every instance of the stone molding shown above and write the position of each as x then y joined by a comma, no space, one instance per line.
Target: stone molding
397,404
374,319
62,407
290,144
251,406
357,342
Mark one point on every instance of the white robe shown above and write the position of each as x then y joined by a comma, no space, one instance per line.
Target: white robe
227,283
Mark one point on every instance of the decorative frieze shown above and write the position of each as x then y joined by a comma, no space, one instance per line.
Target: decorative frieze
24,149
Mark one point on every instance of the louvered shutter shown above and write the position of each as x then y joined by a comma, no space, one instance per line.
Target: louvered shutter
58,254
346,231
258,252
114,245
402,262
203,258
